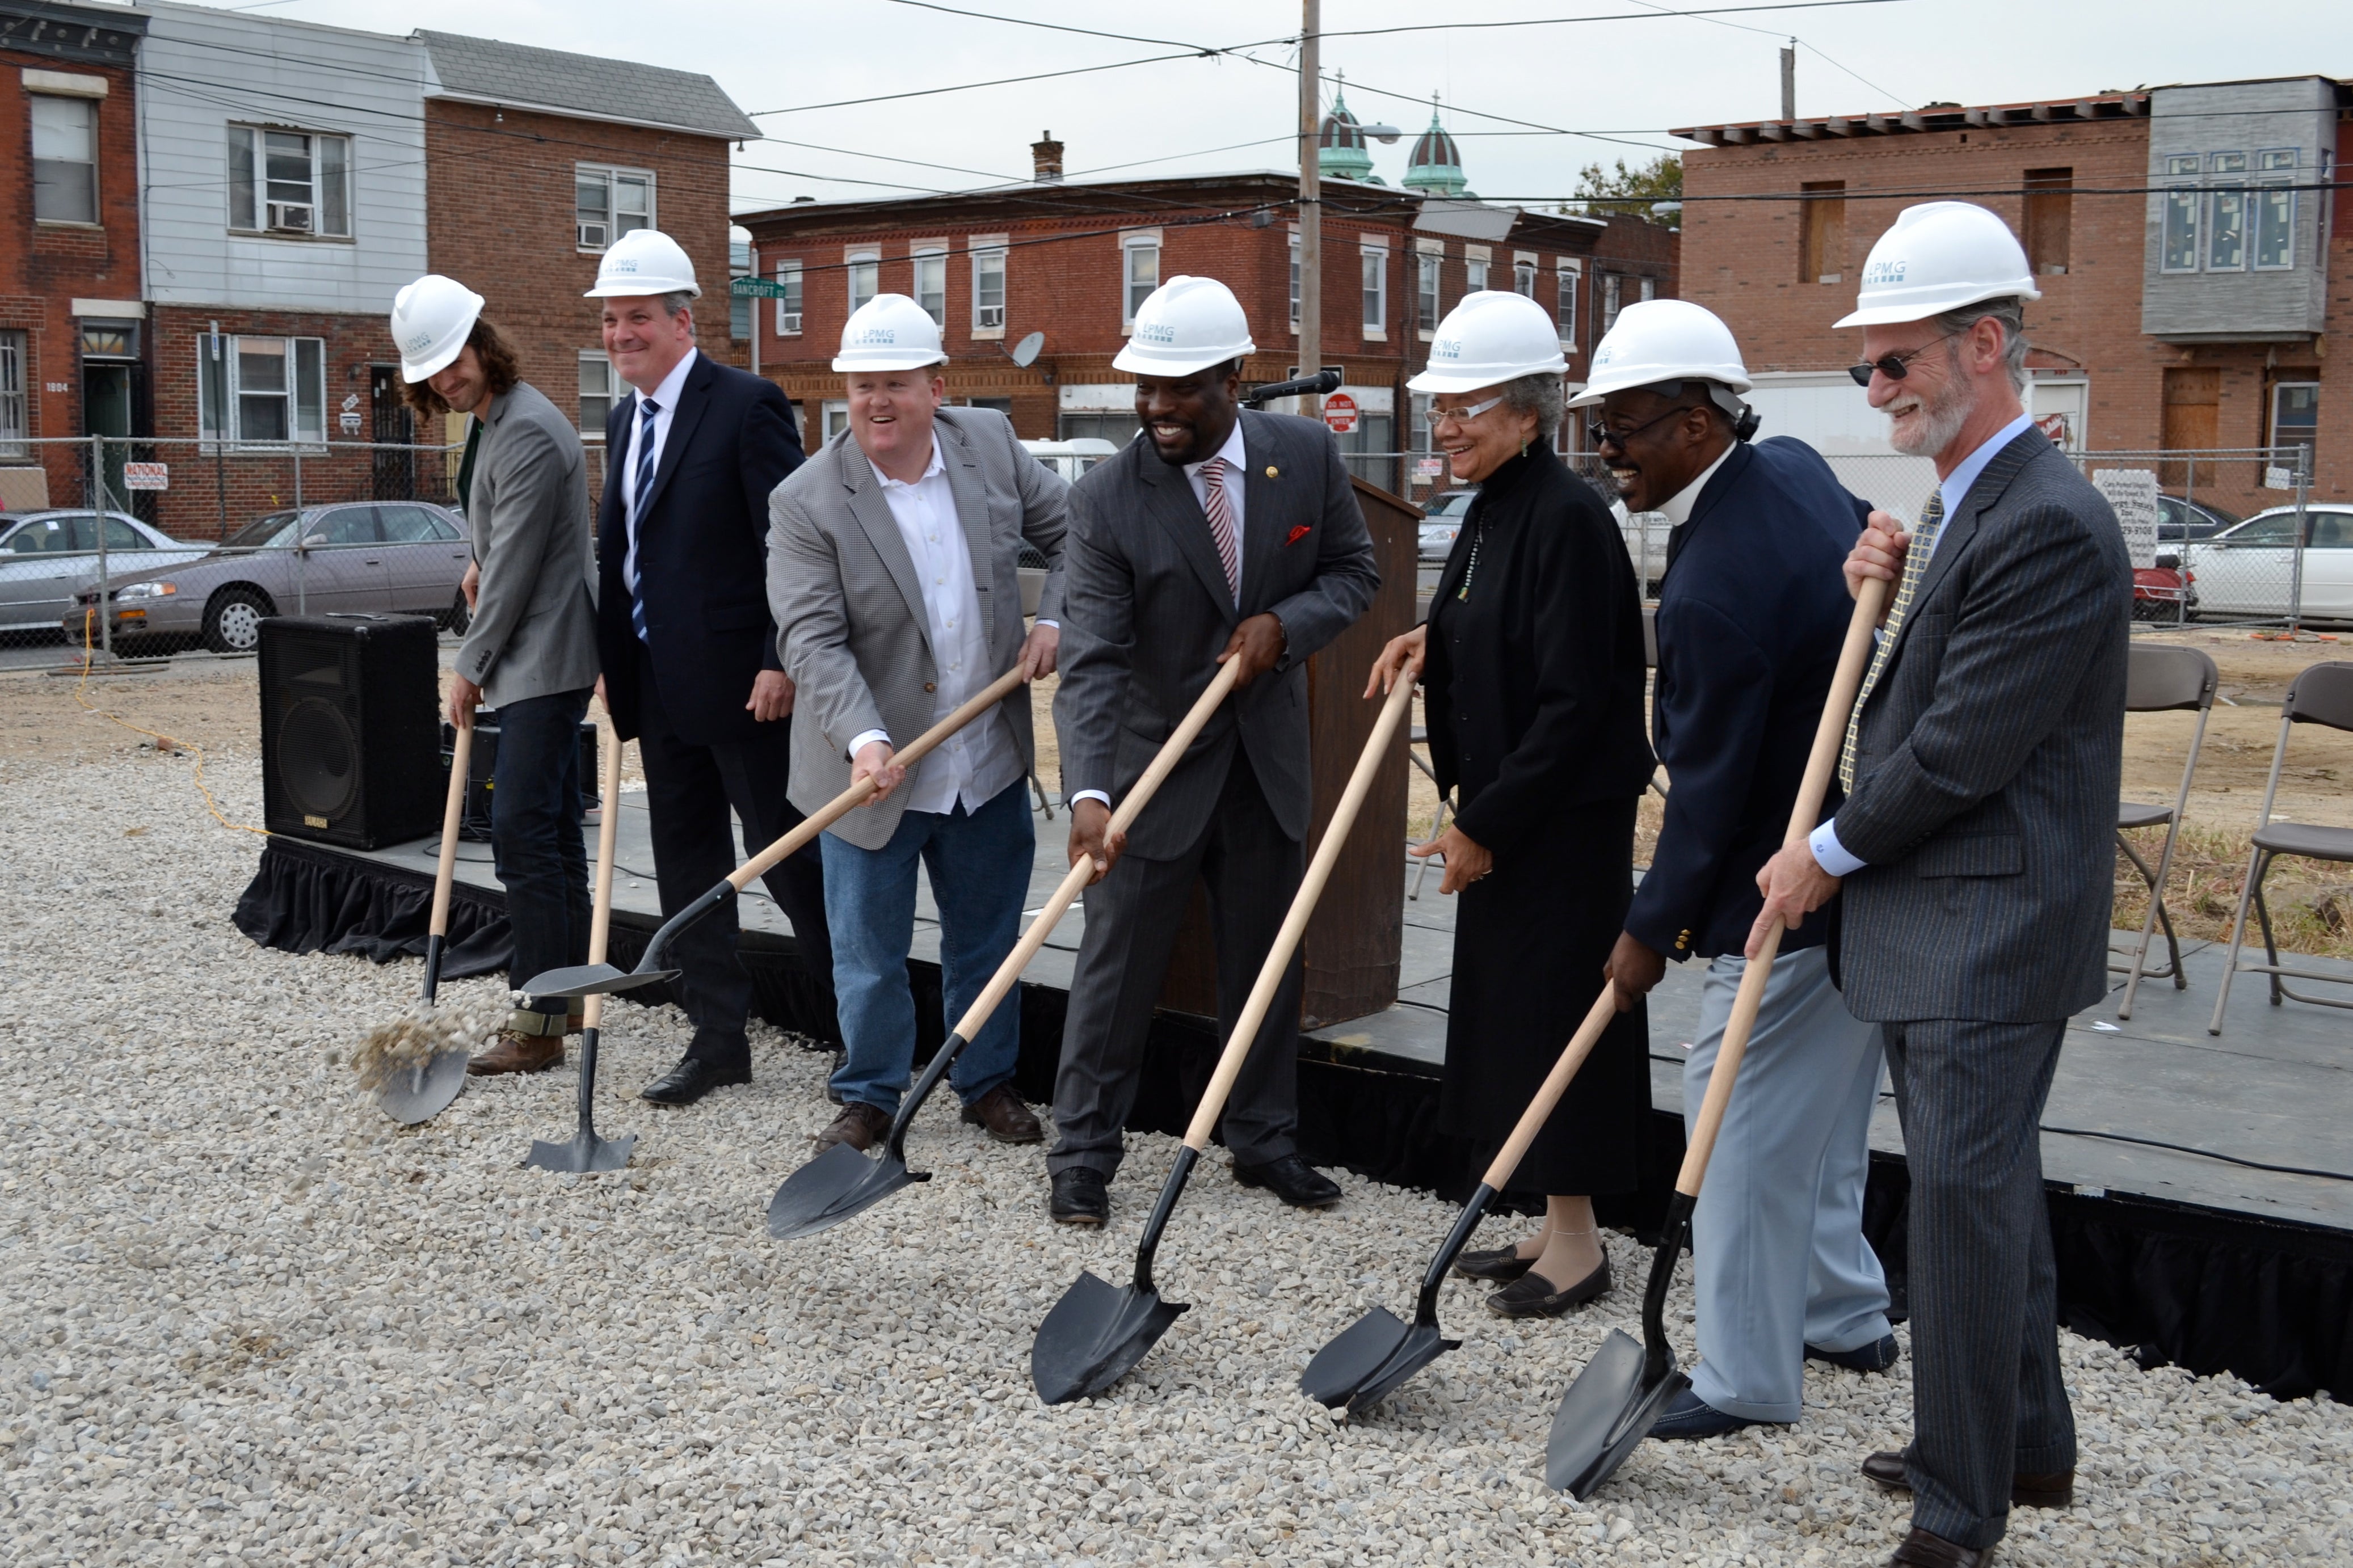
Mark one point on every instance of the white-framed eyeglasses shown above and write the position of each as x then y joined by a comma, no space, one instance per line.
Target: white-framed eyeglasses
1465,415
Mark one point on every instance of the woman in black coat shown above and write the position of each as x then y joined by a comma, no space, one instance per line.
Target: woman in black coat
1532,669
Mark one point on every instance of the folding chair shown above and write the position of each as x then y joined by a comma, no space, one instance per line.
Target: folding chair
2322,694
2160,680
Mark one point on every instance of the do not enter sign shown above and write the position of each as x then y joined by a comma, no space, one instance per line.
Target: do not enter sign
1340,413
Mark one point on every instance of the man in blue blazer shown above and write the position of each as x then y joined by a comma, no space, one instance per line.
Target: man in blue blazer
691,667
1752,612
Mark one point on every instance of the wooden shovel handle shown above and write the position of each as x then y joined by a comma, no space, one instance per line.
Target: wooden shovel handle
1172,751
461,760
1556,1084
1829,735
1294,924
600,918
853,797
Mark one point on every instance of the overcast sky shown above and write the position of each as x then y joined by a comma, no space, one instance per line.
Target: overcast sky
1623,79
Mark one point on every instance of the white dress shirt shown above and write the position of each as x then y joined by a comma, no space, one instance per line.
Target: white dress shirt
977,763
665,397
1677,508
1829,853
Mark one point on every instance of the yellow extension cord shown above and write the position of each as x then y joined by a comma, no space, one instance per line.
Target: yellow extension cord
163,740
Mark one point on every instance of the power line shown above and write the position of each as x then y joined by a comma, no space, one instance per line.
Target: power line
1659,12
969,86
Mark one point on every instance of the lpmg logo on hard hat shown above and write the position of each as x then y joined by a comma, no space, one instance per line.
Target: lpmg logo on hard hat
1156,332
418,342
1446,348
876,337
1879,272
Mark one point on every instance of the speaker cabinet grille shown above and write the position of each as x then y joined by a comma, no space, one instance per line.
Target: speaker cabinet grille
349,731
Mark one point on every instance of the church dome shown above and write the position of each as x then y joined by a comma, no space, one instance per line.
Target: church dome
1436,165
1341,152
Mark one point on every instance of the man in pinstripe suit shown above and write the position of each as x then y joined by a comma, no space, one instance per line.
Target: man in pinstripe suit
1981,766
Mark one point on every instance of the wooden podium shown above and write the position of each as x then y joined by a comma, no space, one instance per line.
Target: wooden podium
1358,929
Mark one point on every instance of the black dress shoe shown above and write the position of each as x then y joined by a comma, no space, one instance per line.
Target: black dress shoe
1503,1263
1876,1356
2057,1490
1922,1549
1292,1180
1533,1296
691,1080
1080,1197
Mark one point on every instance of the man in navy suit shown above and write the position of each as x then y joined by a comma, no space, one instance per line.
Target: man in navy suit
691,667
1752,612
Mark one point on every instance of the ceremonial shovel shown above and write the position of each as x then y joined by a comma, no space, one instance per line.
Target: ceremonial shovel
1097,1331
842,1181
1617,1399
587,1151
1378,1352
423,1090
595,979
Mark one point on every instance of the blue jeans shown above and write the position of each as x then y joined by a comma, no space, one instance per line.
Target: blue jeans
979,864
535,842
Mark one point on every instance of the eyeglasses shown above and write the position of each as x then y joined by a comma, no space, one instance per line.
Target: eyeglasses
1602,436
1465,415
1894,367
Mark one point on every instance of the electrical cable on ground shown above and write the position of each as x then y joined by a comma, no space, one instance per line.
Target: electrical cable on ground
162,742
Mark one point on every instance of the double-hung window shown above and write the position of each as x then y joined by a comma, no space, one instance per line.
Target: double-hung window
1139,271
1374,259
1565,301
1612,287
610,203
1474,268
931,281
789,303
289,181
600,389
740,307
1426,288
256,391
1294,282
65,158
865,275
989,284
13,424
1523,275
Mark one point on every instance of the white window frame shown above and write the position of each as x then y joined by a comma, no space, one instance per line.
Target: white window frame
2271,162
1476,261
1524,273
612,177
1429,285
251,202
1568,279
16,407
306,378
2185,201
1373,265
833,418
861,265
748,267
788,304
990,254
34,103
1610,297
1650,289
1131,242
930,256
1294,282
594,429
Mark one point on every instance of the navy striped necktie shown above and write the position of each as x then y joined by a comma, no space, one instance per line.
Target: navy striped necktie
647,409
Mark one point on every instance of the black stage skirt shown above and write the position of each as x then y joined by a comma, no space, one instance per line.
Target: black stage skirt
1530,941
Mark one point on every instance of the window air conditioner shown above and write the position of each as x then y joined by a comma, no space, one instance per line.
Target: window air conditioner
294,218
592,237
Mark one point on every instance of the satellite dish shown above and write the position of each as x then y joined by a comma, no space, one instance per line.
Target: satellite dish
1026,350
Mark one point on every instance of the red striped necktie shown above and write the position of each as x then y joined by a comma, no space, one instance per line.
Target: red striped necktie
1221,523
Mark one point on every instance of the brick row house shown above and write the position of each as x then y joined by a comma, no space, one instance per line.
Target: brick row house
1072,259
213,275
2185,239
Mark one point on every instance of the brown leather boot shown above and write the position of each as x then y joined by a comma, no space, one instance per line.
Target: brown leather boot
1007,1120
514,1052
859,1125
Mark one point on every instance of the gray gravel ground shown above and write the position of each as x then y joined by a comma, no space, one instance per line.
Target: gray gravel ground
247,1319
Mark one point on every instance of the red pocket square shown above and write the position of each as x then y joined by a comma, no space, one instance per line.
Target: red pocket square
1297,534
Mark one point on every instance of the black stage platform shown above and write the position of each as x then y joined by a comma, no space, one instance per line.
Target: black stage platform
2202,1188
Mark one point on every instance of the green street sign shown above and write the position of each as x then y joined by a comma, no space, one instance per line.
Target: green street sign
756,289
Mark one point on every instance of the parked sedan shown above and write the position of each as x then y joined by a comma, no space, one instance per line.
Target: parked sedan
1441,521
401,557
2248,570
47,559
2179,519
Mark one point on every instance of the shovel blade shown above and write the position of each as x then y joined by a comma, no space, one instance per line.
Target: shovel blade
585,1151
1093,1335
1605,1415
425,1090
592,980
836,1185
1372,1356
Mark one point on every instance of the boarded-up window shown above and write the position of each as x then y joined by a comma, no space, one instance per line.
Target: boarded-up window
1822,258
2050,218
2193,416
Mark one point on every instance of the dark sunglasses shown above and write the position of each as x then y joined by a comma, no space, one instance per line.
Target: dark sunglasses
1894,367
1602,436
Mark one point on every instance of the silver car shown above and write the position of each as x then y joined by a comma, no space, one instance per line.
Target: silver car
360,557
49,558
2250,570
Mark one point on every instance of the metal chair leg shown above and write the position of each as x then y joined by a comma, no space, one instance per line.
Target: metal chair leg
2264,921
2238,940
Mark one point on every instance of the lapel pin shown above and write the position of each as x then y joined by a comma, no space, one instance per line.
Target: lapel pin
1273,472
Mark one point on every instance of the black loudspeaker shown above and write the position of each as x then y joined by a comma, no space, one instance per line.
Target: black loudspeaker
350,729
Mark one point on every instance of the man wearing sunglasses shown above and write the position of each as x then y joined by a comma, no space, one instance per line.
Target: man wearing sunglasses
1750,620
1980,770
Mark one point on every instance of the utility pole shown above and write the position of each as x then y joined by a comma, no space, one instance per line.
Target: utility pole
1790,81
1310,205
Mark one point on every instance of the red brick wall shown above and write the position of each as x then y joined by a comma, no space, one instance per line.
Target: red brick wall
500,218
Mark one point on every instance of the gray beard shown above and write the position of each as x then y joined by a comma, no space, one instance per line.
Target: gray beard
1941,419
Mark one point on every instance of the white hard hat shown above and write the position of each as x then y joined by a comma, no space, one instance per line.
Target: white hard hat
431,319
1489,338
1663,340
1185,324
890,332
644,261
1939,256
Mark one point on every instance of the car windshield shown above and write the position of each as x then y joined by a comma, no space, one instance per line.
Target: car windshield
275,531
1451,505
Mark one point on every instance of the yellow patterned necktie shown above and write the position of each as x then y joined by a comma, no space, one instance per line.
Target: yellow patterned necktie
1915,567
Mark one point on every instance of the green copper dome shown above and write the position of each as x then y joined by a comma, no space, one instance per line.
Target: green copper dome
1437,163
1340,149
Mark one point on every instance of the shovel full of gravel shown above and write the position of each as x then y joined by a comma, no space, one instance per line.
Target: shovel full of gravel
585,1151
843,1182
1098,1331
1617,1399
416,1066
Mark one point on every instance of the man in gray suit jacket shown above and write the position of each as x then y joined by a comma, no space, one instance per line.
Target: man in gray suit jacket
1216,534
894,576
531,650
1981,766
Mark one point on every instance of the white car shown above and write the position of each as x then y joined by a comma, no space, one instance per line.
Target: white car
1441,523
2249,570
1074,458
48,557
